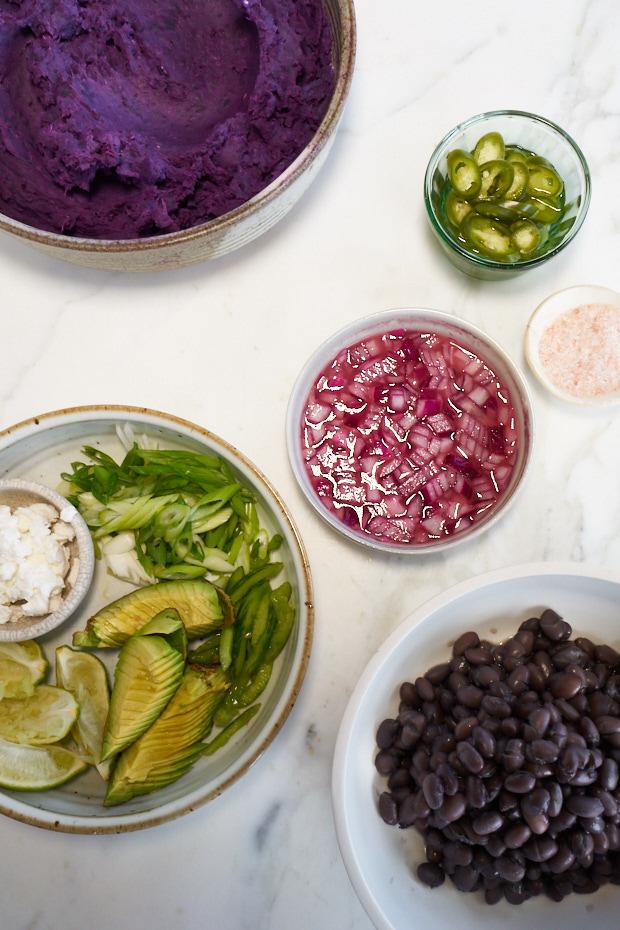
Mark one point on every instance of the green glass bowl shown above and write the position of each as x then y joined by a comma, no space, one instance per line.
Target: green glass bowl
531,132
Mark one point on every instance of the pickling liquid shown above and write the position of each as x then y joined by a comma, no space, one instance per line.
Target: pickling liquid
409,437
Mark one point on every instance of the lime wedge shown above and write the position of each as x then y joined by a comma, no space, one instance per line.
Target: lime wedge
22,666
36,768
84,675
44,717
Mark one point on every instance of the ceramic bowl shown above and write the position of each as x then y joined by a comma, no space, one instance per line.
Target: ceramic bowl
381,860
535,134
444,324
17,493
40,449
551,309
234,229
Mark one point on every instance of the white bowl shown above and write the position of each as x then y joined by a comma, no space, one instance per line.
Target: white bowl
445,324
381,860
40,449
547,312
17,493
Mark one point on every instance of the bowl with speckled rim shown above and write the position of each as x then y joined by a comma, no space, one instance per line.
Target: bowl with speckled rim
226,233
17,493
40,449
382,860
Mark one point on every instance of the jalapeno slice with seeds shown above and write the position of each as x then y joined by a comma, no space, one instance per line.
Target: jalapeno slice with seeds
489,236
456,208
515,155
464,174
489,148
495,179
526,236
497,211
543,181
541,209
520,181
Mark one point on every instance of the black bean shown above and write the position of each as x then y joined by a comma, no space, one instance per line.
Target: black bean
553,627
516,836
584,806
518,679
465,641
476,655
585,778
412,809
453,808
386,762
612,688
527,638
610,805
607,654
567,655
540,719
509,726
387,733
470,758
424,689
388,809
509,869
495,706
438,673
464,727
409,736
483,741
496,846
449,778
513,755
431,874
556,798
409,695
458,853
475,792
470,696
563,821
532,624
485,675
486,823
542,751
608,725
519,782
500,689
612,831
609,774
565,685
493,895
568,713
459,664
601,844
589,731
465,878
540,848
432,787
562,861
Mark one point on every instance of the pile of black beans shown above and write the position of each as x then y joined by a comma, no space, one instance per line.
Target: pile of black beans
506,759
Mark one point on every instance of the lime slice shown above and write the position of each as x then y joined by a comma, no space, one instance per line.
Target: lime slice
44,717
84,675
36,768
22,666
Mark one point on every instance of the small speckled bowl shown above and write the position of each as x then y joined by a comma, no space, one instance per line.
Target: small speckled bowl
16,493
232,230
555,306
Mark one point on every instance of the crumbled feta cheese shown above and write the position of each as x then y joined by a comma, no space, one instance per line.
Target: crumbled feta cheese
34,559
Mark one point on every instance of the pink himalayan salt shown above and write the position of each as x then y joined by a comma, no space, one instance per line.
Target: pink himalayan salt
580,351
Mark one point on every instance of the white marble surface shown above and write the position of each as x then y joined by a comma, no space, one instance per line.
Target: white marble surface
221,344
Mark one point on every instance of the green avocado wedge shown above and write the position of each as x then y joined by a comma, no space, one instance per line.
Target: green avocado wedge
148,672
172,744
199,603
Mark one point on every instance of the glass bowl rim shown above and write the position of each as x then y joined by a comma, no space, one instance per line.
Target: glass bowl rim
480,260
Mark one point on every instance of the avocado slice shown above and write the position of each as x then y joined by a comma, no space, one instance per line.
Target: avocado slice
197,601
148,672
172,744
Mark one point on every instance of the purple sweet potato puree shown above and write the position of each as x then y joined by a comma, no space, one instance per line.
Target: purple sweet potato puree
120,120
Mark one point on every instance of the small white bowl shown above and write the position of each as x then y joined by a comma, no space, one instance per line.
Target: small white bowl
381,860
17,493
411,318
547,312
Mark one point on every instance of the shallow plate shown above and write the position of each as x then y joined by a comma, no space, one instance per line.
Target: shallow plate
39,450
380,859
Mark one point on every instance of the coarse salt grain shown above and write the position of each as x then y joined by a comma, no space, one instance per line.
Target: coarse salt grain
580,351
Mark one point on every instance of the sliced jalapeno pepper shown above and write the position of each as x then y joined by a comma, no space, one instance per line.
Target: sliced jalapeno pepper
456,208
515,155
489,148
519,182
543,181
495,179
464,174
526,236
541,209
498,211
489,236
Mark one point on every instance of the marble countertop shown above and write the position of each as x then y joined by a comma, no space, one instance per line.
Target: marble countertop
221,344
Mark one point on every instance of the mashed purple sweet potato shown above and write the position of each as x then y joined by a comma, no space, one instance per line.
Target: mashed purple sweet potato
140,118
